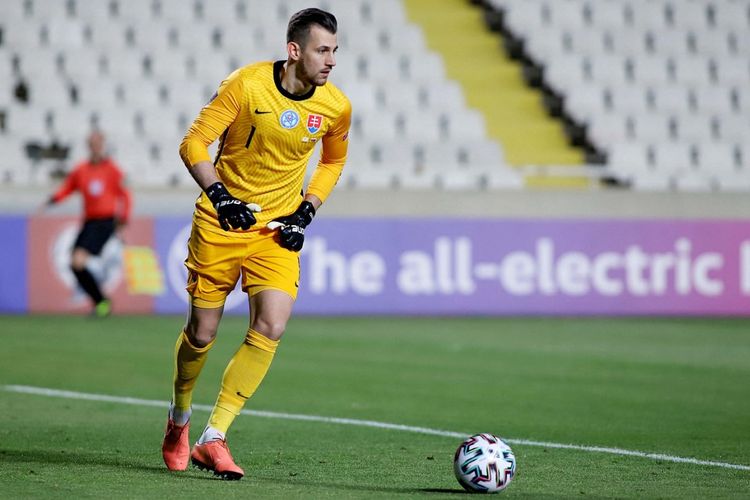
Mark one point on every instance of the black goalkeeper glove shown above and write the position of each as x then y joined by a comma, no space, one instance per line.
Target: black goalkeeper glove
292,227
232,213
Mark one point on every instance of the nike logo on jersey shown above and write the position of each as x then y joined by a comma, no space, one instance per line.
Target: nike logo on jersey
259,112
242,395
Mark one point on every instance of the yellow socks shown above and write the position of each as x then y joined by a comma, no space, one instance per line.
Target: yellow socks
242,377
189,361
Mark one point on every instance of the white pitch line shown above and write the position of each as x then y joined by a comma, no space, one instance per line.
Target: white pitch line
56,393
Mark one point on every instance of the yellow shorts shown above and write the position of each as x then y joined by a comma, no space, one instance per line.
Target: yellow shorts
216,261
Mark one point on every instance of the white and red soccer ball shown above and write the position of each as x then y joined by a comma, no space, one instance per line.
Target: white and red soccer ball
484,463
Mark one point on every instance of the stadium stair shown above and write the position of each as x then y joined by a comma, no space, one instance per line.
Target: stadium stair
513,111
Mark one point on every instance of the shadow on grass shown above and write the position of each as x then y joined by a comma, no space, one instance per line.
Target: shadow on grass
76,459
371,488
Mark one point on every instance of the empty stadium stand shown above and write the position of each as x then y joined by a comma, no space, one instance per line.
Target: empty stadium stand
141,69
658,89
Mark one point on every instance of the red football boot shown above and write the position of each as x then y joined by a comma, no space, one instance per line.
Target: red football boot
215,456
176,446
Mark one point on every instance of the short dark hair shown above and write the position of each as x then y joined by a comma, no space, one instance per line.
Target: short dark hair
298,29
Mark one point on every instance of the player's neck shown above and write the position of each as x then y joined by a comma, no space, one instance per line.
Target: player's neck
291,83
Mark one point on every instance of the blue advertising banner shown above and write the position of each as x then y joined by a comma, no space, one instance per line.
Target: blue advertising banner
427,267
14,268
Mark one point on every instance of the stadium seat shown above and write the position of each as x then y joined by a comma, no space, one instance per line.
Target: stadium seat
502,178
608,69
608,130
732,128
709,43
421,126
461,180
733,182
94,11
417,179
689,15
485,154
625,42
439,156
652,181
648,15
692,128
673,157
444,95
732,70
62,33
667,43
17,11
694,182
398,96
397,155
669,99
378,126
131,64
82,64
40,65
717,158
710,99
588,42
26,122
98,94
111,37
629,157
144,94
692,71
627,99
371,178
464,125
651,128
609,16
50,92
652,70
734,15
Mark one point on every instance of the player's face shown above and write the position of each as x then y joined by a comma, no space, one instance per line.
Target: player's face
96,145
318,57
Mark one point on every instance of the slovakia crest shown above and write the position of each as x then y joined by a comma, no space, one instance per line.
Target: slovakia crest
314,122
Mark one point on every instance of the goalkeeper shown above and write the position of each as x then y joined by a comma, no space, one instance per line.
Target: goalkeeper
249,221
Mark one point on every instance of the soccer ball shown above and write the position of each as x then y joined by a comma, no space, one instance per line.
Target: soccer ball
484,463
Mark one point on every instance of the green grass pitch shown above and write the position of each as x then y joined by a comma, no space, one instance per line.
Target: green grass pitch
678,387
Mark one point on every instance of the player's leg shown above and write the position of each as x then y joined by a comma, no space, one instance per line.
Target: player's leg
78,262
244,373
191,352
212,274
270,311
92,238
270,278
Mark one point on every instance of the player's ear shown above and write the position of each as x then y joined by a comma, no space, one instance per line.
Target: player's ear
294,51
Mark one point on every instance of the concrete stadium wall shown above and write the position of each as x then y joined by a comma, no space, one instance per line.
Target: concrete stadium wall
502,204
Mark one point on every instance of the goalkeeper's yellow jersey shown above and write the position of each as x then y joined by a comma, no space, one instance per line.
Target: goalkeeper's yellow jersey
267,138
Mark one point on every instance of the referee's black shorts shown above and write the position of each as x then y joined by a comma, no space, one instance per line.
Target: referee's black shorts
94,234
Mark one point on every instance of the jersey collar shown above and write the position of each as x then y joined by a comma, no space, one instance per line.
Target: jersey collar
277,80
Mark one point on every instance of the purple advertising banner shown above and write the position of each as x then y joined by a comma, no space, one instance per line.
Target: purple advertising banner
13,270
464,266
504,267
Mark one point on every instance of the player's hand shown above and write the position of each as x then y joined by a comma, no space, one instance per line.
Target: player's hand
292,227
232,213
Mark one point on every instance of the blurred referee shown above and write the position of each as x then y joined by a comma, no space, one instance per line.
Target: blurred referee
106,205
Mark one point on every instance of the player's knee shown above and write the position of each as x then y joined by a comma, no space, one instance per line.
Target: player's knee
78,261
273,329
200,335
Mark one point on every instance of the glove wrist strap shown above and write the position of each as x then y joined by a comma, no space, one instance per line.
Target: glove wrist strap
216,192
307,211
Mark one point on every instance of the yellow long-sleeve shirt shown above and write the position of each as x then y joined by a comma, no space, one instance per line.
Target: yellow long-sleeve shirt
267,138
